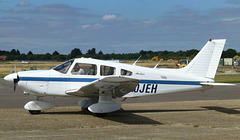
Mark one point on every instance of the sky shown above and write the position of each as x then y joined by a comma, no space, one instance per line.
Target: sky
117,26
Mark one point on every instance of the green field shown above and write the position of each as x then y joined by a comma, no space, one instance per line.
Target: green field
227,78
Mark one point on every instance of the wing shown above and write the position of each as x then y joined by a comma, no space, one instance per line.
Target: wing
118,85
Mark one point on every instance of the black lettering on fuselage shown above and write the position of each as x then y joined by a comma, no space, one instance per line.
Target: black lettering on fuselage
154,88
136,89
142,89
146,88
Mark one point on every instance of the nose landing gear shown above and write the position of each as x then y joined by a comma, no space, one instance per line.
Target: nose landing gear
35,107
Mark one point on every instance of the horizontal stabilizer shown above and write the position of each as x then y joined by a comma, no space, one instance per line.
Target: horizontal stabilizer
218,84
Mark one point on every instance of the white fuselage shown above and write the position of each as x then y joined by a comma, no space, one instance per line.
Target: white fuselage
152,81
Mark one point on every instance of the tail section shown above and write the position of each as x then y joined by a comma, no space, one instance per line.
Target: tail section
205,63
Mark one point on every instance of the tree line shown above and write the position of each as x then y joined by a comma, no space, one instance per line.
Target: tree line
76,53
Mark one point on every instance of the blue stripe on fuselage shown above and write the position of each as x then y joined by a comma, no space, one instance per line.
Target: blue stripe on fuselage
54,79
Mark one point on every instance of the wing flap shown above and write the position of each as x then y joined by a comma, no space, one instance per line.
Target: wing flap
119,85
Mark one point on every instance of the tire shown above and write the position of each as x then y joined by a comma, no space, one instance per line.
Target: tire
86,109
34,112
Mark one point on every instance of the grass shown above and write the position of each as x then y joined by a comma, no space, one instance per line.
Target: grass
227,78
7,67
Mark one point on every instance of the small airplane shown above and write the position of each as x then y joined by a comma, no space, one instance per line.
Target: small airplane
99,82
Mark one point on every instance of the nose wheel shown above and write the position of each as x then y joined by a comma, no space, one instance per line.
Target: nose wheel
35,107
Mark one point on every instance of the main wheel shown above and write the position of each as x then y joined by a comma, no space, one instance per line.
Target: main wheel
34,112
85,109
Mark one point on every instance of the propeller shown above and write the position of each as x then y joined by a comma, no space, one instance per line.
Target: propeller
13,77
15,81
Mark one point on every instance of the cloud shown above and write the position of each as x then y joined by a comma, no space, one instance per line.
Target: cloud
23,4
230,19
94,26
226,12
60,26
109,17
86,26
56,10
150,22
60,10
98,26
233,1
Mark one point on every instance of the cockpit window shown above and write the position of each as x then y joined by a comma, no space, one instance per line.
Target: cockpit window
63,68
84,69
106,70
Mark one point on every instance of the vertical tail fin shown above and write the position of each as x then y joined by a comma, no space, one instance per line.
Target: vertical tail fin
205,63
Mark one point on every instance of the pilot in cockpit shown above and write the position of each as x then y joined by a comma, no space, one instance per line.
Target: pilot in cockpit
77,70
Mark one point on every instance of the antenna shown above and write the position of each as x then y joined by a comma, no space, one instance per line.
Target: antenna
137,60
157,64
15,69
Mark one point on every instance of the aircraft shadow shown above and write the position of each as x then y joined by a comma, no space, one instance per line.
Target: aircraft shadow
158,111
223,109
126,117
121,116
84,112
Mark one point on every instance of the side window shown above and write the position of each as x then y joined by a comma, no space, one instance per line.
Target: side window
84,69
126,72
106,70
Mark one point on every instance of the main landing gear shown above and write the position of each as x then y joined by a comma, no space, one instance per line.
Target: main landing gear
100,106
105,105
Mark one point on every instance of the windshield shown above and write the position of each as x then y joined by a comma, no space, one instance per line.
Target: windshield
63,68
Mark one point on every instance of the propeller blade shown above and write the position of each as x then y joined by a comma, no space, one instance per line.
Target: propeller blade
14,85
15,81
